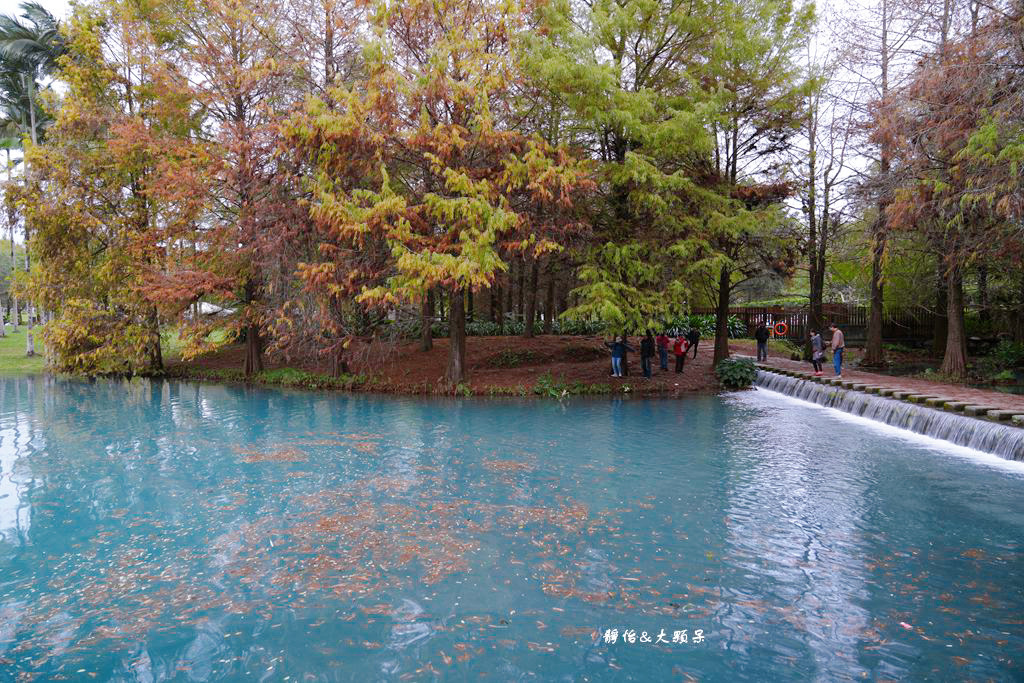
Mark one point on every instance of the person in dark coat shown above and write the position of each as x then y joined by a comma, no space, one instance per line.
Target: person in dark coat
817,352
663,343
693,338
761,335
646,353
619,348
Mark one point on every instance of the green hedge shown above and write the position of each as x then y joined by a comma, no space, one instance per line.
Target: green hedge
586,328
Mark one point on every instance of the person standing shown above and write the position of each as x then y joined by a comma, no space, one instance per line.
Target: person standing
693,338
646,353
663,350
679,349
838,344
817,352
761,335
619,348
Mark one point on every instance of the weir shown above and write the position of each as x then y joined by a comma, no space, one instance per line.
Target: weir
989,437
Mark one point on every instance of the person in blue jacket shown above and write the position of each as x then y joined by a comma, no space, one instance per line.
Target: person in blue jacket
619,348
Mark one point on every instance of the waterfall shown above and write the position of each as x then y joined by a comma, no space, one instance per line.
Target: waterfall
990,437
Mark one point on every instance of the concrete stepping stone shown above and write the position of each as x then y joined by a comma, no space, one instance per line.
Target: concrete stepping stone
1001,415
978,410
936,402
955,406
919,398
1018,420
857,386
886,392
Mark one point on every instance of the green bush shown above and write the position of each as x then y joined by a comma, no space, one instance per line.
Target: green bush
736,373
552,388
897,348
705,324
1004,357
1008,354
549,387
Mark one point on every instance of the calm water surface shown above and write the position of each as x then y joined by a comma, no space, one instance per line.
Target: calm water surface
182,532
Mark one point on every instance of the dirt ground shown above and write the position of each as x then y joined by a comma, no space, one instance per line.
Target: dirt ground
498,362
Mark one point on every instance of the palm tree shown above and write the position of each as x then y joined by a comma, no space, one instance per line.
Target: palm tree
10,138
30,47
37,40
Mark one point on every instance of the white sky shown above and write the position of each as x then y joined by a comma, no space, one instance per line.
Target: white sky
59,8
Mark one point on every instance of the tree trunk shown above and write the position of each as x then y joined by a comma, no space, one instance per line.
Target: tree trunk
495,294
339,366
469,305
30,345
984,314
426,321
530,314
509,282
156,357
549,300
520,285
873,354
816,316
253,342
253,350
722,317
504,301
456,373
563,291
14,265
954,363
1018,313
940,324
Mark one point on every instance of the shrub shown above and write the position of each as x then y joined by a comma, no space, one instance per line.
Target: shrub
580,328
736,373
1005,356
897,348
795,351
558,388
1008,354
552,388
705,324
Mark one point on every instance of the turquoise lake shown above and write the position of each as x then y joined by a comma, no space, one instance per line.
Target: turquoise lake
174,531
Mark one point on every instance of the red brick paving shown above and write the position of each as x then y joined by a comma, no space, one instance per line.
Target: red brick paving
981,397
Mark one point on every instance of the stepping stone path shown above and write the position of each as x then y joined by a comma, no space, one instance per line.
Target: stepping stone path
980,403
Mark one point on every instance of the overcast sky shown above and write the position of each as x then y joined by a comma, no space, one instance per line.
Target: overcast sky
59,8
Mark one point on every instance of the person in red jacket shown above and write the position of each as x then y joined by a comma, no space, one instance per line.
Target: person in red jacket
679,349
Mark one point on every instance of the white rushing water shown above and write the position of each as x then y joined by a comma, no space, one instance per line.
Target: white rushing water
982,435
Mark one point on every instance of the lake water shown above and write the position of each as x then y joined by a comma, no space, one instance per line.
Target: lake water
182,532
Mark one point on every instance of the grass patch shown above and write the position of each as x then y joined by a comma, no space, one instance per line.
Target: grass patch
548,387
933,375
282,377
172,345
13,360
518,390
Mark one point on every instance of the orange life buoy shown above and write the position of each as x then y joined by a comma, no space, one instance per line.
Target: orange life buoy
784,329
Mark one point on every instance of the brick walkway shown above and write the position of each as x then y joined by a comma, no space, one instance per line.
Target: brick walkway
980,397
